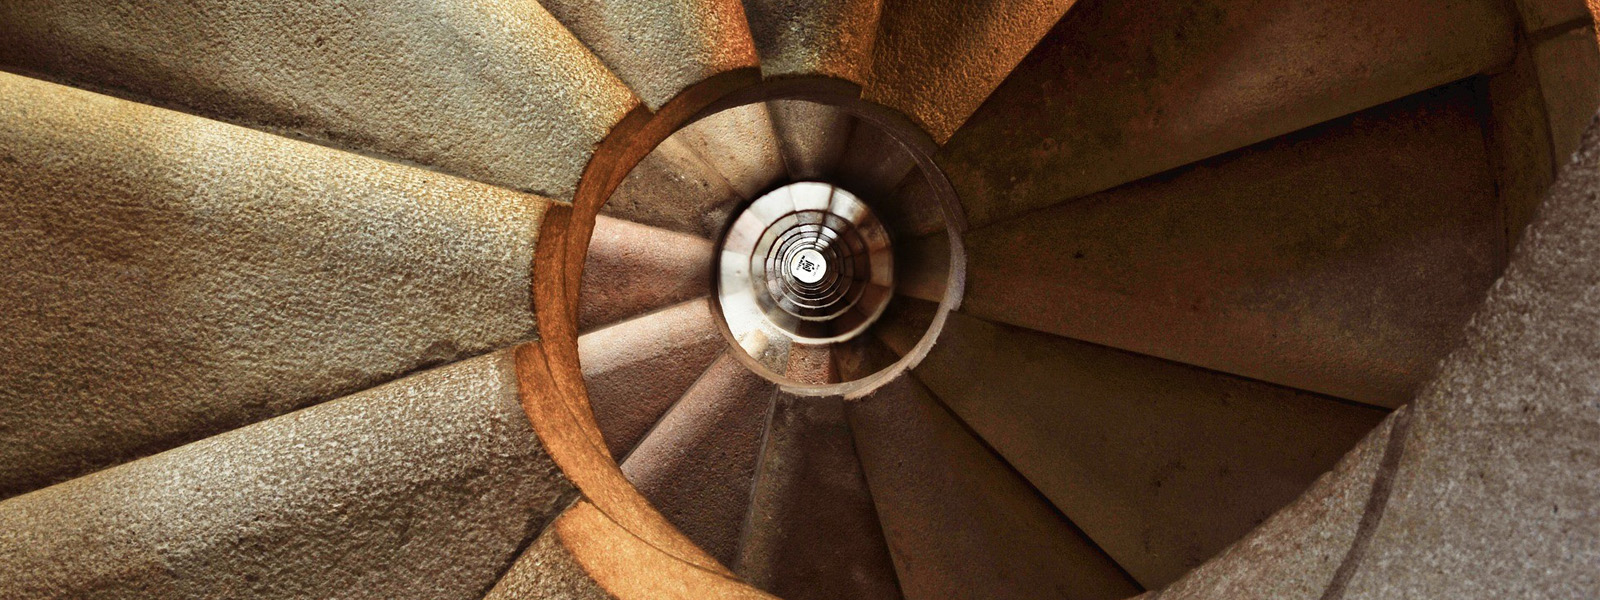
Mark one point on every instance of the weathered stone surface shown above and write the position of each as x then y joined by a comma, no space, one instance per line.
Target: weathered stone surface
1569,79
1123,90
1538,15
831,38
1294,554
1497,494
811,365
494,90
1517,133
936,60
741,144
636,370
812,136
922,266
873,164
812,531
1162,465
1276,262
632,269
423,488
660,48
674,188
169,277
959,522
698,464
547,571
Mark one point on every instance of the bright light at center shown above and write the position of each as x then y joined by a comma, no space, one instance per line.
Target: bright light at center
808,266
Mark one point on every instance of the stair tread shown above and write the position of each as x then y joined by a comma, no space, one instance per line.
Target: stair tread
498,92
812,137
184,277
698,464
812,531
1119,91
1315,279
660,49
674,188
635,370
632,269
1162,464
742,145
959,522
827,38
423,488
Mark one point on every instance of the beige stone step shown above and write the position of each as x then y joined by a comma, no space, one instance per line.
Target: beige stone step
829,38
632,269
635,370
170,277
1119,91
742,145
1342,259
674,188
812,136
936,60
1163,465
424,488
812,532
698,464
661,48
495,91
960,523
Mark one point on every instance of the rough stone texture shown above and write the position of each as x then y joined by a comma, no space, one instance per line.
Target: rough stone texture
922,266
494,90
811,135
831,38
742,145
873,164
1517,132
169,277
811,365
698,464
959,522
936,60
1162,465
547,571
659,48
674,188
1542,14
812,531
632,269
423,488
1352,286
1294,554
1569,78
1123,90
1497,494
636,370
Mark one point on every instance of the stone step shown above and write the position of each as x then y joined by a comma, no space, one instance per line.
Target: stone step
936,60
497,92
1163,465
828,38
742,145
812,533
811,365
661,48
1342,259
960,523
812,137
635,370
1119,91
698,464
632,269
172,277
674,188
423,488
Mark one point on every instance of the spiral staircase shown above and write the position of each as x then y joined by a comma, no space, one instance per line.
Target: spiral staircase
832,299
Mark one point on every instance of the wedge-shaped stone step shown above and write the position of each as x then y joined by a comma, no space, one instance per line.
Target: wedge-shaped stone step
813,532
496,91
632,269
830,38
1119,91
1163,465
959,521
636,370
1342,259
674,188
812,136
424,488
742,145
698,464
661,48
169,277
936,60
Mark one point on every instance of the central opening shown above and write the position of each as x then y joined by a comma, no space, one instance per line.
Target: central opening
808,266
